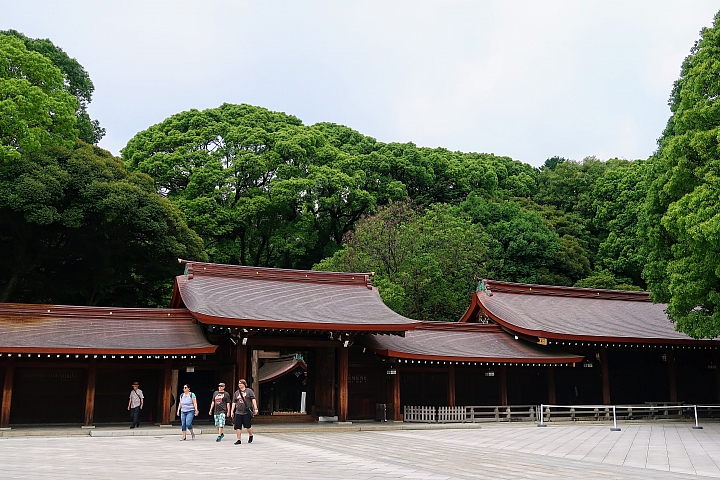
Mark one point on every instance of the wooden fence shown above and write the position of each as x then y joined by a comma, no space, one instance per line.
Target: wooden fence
471,414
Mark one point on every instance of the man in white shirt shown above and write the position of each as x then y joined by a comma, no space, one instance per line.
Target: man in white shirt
135,404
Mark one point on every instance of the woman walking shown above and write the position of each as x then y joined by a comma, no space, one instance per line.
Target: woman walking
187,409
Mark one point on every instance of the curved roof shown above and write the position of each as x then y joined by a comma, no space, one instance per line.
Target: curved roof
570,313
448,341
285,299
92,330
274,369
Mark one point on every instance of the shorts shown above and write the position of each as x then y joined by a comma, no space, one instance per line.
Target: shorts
219,420
241,421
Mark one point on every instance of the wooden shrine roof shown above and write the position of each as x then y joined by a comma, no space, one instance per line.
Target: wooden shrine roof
461,342
276,368
275,298
93,330
578,314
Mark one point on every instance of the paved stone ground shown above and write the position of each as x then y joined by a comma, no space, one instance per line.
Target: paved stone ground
503,451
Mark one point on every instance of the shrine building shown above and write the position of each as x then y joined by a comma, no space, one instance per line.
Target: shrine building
323,345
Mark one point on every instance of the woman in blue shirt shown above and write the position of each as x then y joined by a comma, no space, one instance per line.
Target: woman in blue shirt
187,409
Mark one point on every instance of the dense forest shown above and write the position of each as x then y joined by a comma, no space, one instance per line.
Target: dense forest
240,184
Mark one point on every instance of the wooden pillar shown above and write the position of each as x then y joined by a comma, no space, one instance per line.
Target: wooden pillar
672,375
716,357
503,385
551,385
605,373
90,393
240,363
254,366
342,384
451,385
166,392
395,387
7,393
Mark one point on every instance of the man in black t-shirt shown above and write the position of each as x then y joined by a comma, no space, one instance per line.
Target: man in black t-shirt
244,407
219,409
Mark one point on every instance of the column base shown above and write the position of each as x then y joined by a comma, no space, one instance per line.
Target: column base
88,426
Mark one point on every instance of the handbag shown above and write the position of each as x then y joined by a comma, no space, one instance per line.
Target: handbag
249,410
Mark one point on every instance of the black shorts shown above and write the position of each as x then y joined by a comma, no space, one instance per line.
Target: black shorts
241,421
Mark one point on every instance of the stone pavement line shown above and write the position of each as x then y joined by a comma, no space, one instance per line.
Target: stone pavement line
420,454
663,450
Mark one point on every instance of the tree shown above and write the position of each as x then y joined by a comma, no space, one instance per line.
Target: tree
682,224
424,262
35,110
76,81
78,228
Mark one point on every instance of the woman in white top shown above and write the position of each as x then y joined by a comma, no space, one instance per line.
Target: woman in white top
187,410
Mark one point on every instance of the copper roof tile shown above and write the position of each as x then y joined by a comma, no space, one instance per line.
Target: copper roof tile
449,341
83,330
293,299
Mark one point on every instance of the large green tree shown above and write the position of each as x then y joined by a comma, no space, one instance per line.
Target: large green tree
77,227
424,262
76,81
35,109
682,227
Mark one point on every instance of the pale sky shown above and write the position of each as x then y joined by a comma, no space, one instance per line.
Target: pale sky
527,79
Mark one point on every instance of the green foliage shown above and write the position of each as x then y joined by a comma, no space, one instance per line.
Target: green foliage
424,261
76,81
77,228
682,227
35,111
605,279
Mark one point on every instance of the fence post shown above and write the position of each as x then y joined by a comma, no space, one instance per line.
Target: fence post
615,427
697,425
542,417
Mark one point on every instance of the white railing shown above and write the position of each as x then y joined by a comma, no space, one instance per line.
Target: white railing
472,414
653,411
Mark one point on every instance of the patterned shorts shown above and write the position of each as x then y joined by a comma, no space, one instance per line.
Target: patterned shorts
219,420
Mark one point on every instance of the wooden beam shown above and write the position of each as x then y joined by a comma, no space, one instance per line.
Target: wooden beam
551,385
255,376
90,392
396,397
7,394
166,392
716,357
605,373
342,384
240,363
256,341
451,385
503,385
672,375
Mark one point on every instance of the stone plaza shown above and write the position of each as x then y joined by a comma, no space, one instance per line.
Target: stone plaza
564,451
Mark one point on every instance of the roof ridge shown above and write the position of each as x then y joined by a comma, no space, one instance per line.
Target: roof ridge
458,326
265,273
559,290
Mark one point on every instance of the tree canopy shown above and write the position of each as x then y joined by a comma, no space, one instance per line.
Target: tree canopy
76,82
682,224
78,228
424,261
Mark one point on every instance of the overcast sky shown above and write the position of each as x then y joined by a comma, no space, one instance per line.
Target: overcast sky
527,79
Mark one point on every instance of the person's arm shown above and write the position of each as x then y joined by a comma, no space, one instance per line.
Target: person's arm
194,400
212,404
129,402
142,401
232,412
255,407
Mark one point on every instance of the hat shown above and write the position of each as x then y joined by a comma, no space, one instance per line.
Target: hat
221,384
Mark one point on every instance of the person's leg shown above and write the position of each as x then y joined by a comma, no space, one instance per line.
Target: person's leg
248,426
183,423
134,417
188,421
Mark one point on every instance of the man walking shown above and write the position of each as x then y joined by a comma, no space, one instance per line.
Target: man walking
135,404
220,408
244,407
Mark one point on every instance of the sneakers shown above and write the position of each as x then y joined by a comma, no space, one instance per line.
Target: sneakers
250,439
237,442
184,438
193,435
220,437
